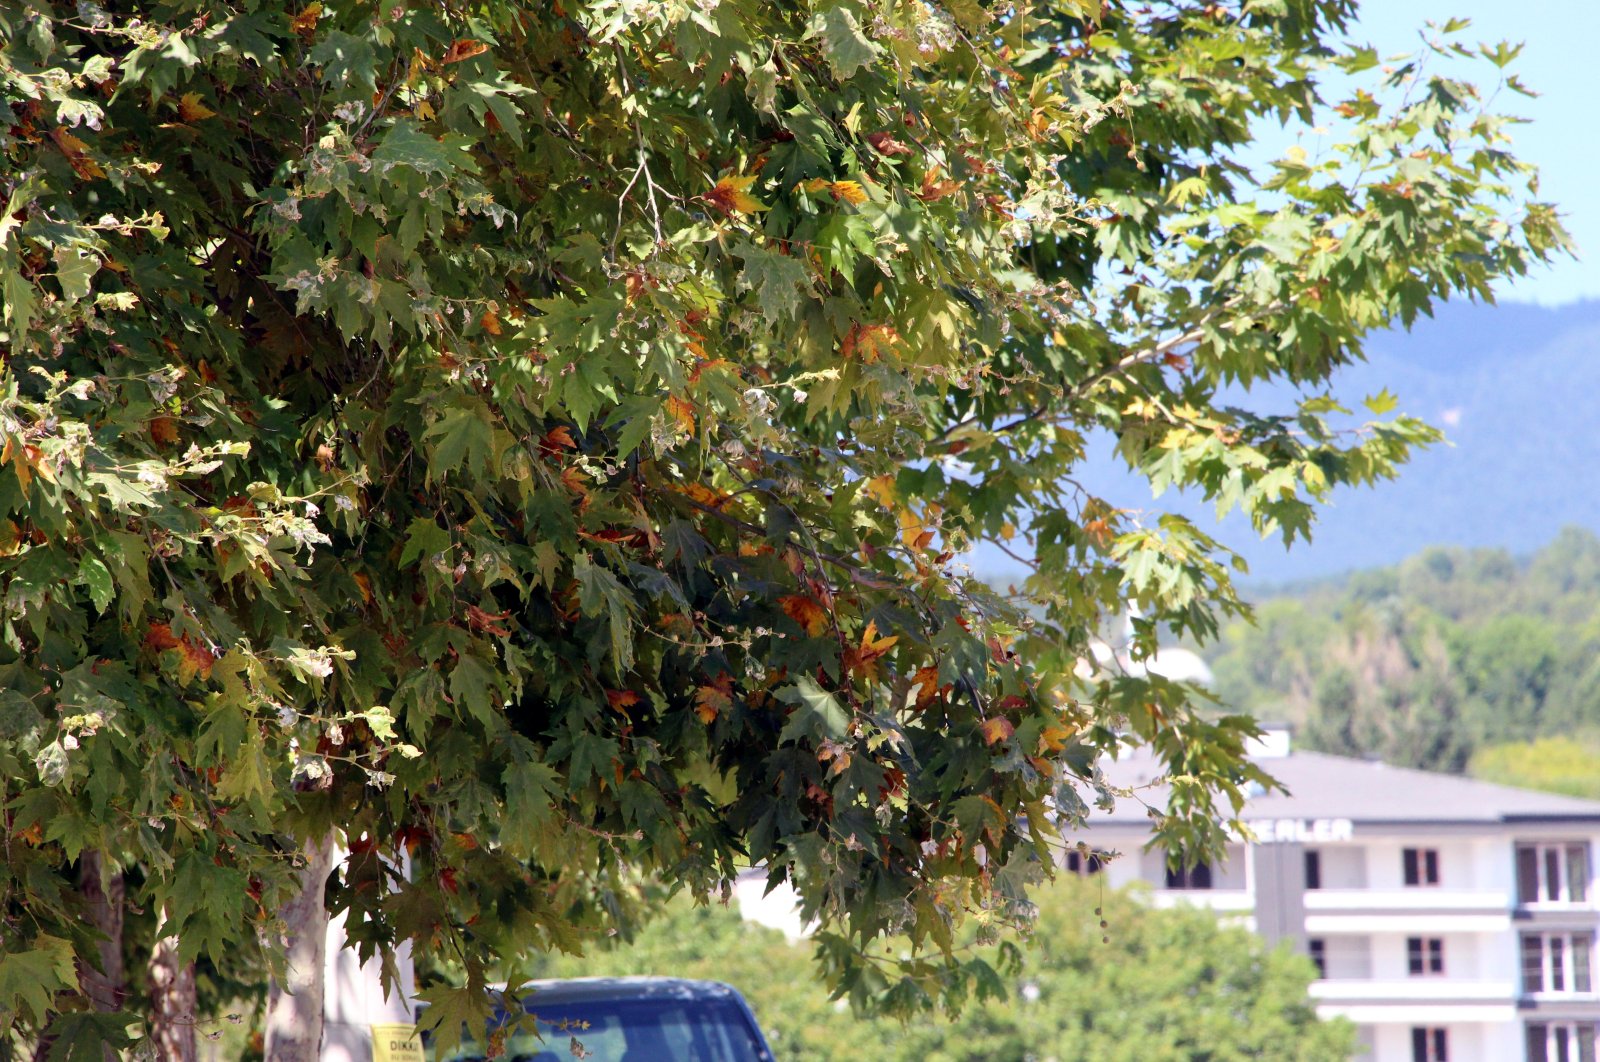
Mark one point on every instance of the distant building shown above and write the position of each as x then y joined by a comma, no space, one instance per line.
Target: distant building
1451,920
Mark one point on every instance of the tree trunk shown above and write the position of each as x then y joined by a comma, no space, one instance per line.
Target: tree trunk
295,1007
172,1002
103,895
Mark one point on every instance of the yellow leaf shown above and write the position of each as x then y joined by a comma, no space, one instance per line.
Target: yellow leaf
849,191
305,23
881,490
190,109
1007,532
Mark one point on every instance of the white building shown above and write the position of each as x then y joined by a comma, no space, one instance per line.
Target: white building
1452,920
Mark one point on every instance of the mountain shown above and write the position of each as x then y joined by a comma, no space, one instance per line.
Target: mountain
1516,388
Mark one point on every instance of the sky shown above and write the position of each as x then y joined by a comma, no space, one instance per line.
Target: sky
1563,138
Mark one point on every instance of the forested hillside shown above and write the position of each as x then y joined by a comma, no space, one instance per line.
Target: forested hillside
1455,659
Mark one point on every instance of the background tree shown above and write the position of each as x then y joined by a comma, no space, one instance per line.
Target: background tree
1455,660
538,440
1172,984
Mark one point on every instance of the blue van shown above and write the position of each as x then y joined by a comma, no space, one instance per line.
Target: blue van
631,1019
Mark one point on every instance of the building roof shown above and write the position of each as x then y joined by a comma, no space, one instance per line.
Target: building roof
1339,787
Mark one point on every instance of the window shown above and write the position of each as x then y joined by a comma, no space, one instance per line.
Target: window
1421,865
1195,877
1429,1045
1084,863
1565,1042
1557,962
1552,873
1318,949
1313,869
1425,955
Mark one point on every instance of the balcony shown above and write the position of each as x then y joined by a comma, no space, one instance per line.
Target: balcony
1224,901
1412,990
1407,910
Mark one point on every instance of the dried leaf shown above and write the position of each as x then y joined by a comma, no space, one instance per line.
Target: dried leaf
304,24
463,49
806,611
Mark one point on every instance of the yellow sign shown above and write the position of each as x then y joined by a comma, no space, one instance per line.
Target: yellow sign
396,1043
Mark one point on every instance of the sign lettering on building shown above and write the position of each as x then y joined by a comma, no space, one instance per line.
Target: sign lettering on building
1301,831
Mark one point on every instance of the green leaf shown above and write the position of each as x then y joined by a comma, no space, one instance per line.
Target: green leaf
93,573
817,713
463,440
75,268
30,979
845,46
778,280
85,1035
424,539
600,593
18,716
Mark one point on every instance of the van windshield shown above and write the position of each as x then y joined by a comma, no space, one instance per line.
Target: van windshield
630,1030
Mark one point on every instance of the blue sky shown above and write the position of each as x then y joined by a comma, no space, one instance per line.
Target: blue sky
1563,139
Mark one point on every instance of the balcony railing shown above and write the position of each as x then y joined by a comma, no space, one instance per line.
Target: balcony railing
1412,899
1415,990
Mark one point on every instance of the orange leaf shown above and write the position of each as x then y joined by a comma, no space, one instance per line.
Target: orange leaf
704,495
926,681
681,411
305,23
934,189
364,584
806,611
997,729
870,342
557,439
731,195
159,637
621,700
713,699
490,321
463,49
76,152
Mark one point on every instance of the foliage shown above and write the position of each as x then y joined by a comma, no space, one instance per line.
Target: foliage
536,439
1559,764
1166,984
1453,660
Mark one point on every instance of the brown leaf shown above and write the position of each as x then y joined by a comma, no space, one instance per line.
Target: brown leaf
163,430
886,144
490,321
933,188
463,49
621,700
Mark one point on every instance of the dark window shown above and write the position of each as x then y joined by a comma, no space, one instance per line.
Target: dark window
1429,1045
1549,1042
1319,955
1425,955
1195,877
1083,863
1421,865
1313,869
1553,873
1527,875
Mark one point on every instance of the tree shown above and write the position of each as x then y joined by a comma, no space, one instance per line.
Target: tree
1170,984
538,441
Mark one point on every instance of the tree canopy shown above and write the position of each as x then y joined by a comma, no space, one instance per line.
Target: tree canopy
541,441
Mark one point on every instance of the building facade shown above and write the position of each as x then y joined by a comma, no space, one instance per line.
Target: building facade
1450,920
